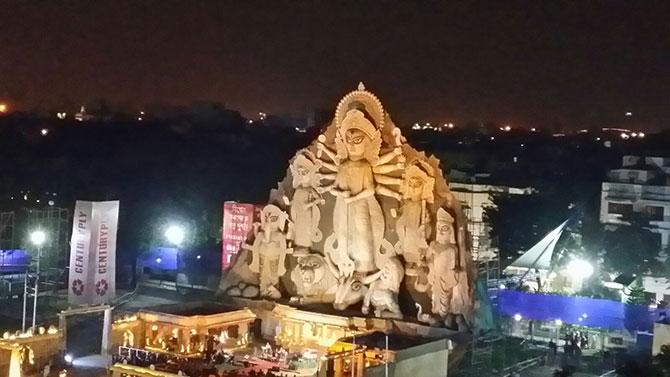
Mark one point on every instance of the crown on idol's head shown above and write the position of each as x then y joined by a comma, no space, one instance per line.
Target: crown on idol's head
444,216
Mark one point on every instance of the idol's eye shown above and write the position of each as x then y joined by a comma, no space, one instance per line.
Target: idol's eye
356,286
357,139
274,218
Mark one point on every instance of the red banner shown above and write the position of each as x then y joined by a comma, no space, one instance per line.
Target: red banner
238,220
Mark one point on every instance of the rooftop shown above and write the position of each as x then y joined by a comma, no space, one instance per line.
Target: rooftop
397,342
189,309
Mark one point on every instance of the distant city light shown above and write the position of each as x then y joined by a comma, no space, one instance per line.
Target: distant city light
449,125
68,358
61,115
634,134
3,108
502,286
641,134
44,131
625,136
517,317
158,260
493,138
533,129
507,128
262,115
628,114
558,322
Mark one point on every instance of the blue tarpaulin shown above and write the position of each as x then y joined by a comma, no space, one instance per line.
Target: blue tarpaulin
160,258
582,311
14,261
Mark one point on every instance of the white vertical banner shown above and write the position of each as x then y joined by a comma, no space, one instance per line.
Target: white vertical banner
93,253
79,284
103,250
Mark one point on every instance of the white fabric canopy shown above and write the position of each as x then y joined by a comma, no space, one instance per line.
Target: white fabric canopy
539,256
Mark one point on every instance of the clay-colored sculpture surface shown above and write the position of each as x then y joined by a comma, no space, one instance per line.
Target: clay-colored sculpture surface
305,202
358,221
315,279
450,294
413,225
269,250
383,292
363,205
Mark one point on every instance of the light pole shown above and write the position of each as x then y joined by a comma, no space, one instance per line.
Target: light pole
353,353
386,357
37,238
175,234
450,347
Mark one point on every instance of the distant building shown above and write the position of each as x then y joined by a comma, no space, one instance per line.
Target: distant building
640,187
474,198
82,116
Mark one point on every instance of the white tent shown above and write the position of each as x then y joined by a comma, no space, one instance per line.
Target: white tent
539,256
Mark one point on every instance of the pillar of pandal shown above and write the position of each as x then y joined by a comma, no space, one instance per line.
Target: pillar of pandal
338,366
360,363
242,331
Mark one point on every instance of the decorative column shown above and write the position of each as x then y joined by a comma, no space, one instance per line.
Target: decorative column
360,363
106,333
62,326
242,332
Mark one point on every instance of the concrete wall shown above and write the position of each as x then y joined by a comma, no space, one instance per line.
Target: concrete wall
426,360
661,337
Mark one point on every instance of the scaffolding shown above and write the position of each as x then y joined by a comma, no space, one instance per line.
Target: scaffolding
7,226
55,222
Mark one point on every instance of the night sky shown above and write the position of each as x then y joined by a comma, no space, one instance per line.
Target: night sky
521,63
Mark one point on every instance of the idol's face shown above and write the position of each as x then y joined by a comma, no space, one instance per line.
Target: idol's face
443,232
356,142
415,187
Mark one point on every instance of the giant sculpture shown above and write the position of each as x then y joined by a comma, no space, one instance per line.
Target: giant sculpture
373,227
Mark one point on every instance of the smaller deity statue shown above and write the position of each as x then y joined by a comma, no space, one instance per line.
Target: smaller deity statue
412,226
383,291
269,250
315,280
443,264
305,212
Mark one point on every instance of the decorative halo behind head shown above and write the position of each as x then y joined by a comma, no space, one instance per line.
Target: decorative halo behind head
364,101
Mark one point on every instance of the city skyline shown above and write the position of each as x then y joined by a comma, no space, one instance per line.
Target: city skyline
522,64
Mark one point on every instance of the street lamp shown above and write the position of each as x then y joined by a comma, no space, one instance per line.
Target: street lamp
175,234
37,238
579,269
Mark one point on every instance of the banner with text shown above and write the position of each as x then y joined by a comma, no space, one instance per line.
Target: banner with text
93,253
238,220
